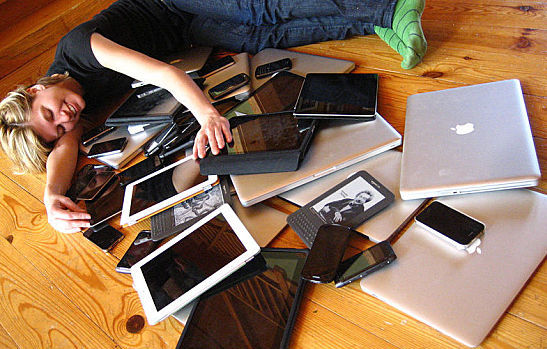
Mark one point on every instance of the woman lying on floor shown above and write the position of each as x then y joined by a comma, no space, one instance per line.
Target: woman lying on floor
39,125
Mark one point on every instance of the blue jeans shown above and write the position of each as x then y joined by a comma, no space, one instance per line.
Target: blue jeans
253,25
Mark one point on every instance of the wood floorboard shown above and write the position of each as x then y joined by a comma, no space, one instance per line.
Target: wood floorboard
59,291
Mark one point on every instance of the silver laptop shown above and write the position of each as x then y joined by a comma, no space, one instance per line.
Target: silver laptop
336,145
467,139
463,295
386,168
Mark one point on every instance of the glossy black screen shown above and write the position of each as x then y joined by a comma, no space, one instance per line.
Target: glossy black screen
191,260
253,313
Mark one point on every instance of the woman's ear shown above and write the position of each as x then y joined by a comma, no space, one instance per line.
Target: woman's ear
35,88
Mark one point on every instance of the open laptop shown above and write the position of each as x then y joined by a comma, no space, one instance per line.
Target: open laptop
337,144
386,168
463,295
467,139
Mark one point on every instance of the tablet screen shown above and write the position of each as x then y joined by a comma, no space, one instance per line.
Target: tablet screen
165,185
254,312
191,260
265,133
277,95
338,95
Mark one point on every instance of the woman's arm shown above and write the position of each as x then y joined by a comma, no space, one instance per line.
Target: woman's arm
63,214
214,128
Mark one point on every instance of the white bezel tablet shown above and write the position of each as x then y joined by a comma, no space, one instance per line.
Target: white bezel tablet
160,194
192,262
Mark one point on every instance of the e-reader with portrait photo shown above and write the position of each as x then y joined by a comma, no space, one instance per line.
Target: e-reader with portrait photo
349,203
338,96
163,189
191,263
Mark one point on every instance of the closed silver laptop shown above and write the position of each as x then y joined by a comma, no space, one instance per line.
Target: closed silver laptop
467,139
464,295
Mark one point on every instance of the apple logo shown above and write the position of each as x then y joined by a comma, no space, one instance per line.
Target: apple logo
463,129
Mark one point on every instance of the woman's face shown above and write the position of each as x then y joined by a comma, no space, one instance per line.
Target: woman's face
55,109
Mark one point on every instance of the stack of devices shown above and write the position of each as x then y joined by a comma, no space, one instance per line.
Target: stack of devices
192,262
255,307
266,136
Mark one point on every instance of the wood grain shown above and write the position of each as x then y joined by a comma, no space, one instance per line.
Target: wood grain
55,286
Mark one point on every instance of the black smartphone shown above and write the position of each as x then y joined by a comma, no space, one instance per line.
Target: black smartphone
268,69
96,133
326,253
215,66
105,237
229,85
454,227
110,147
141,247
364,263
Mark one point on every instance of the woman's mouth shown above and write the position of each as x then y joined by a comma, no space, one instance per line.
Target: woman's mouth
73,110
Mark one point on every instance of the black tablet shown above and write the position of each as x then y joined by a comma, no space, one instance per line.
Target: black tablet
266,135
338,96
253,308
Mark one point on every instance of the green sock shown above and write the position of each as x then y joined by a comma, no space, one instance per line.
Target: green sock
406,35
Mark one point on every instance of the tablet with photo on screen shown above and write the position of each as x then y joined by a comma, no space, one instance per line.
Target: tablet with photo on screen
163,189
192,262
338,96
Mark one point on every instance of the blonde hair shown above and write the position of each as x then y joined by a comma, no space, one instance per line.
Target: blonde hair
20,142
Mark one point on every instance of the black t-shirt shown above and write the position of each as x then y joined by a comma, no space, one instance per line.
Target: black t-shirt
146,26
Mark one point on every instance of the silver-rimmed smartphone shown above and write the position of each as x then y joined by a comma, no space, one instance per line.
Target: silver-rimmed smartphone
364,263
449,224
229,86
96,133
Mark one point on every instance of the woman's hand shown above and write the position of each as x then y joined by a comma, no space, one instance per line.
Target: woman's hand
64,215
215,131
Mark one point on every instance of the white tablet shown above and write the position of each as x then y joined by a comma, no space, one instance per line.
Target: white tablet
192,262
163,189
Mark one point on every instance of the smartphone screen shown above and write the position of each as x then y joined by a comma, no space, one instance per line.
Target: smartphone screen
326,253
105,238
450,224
364,263
140,248
110,147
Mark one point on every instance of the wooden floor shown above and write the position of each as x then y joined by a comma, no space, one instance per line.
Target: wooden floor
57,291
